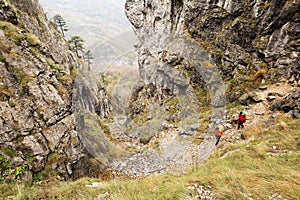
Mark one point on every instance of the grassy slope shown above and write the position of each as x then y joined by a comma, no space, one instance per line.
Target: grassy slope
251,169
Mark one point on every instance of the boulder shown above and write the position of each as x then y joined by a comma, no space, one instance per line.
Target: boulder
290,103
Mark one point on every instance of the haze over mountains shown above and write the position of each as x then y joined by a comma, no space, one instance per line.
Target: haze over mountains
102,24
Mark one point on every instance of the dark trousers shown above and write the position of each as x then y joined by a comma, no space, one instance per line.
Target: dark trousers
218,139
240,124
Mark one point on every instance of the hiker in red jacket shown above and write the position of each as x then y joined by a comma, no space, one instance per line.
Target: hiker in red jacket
241,120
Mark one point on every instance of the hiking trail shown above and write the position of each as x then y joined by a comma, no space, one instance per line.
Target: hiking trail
177,154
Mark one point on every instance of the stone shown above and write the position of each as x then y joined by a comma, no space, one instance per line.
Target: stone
276,197
228,125
290,103
243,136
145,140
274,115
36,144
252,97
95,184
195,127
149,117
103,196
165,125
235,116
271,98
184,132
257,97
264,87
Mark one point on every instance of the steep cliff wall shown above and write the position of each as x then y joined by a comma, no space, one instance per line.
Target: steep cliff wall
249,39
40,105
250,43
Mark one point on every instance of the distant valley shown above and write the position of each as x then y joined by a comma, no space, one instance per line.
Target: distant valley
104,27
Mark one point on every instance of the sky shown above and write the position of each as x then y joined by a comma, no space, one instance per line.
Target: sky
106,12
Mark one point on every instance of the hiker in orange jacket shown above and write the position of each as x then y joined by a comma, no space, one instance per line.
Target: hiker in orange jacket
241,120
219,131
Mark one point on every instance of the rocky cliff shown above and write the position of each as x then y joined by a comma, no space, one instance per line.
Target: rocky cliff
192,54
43,108
250,43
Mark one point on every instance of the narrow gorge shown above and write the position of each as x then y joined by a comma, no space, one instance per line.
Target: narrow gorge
198,60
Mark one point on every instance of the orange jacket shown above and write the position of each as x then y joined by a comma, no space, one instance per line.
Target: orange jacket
219,133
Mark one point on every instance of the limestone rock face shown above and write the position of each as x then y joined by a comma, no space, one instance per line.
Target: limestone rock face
290,103
155,22
38,108
247,42
251,40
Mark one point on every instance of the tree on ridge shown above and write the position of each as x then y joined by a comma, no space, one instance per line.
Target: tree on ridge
61,23
88,58
76,43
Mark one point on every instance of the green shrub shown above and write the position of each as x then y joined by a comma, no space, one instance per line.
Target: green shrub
9,151
19,171
39,176
11,103
5,167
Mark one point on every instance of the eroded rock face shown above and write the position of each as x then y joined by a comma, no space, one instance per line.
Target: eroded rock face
38,121
249,37
155,22
247,42
290,103
7,13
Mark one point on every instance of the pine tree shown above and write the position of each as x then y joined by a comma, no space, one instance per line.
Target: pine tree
88,58
61,23
76,43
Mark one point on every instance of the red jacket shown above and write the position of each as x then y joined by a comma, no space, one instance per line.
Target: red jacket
242,118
